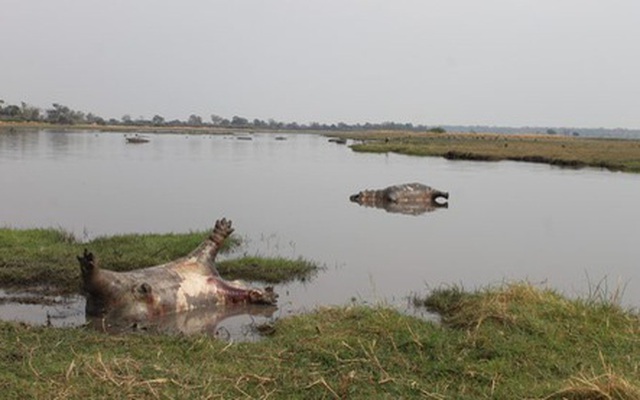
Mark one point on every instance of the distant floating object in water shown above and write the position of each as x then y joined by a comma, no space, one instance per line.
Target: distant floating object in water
338,140
244,138
281,138
137,139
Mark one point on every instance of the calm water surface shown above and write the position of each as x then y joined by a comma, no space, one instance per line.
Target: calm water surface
569,229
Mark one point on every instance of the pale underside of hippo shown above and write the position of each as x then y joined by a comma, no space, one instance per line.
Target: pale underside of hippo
408,198
185,284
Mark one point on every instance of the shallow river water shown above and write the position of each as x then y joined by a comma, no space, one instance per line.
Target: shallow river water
568,229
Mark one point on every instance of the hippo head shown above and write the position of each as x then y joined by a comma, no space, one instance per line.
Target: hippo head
436,197
106,292
128,303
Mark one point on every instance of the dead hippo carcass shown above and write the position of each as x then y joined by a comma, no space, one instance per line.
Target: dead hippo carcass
185,284
408,198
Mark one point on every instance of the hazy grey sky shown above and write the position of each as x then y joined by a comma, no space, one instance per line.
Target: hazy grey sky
496,62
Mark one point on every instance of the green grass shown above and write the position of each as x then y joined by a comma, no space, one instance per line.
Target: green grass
269,270
612,154
510,342
45,259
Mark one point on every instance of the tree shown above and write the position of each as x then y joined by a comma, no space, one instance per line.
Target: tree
239,121
91,118
216,120
258,123
60,114
157,120
126,119
194,120
273,124
29,113
11,111
293,125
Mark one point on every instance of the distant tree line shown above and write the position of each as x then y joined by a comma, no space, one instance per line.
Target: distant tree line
60,114
57,114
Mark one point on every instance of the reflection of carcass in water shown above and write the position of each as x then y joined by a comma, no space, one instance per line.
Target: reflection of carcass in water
408,198
202,320
146,296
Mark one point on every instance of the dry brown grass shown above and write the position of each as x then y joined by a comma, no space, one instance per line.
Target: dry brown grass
614,154
608,386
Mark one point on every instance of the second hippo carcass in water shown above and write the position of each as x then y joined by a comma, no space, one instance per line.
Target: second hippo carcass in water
407,198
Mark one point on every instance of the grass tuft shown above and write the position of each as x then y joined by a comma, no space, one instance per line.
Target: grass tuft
607,386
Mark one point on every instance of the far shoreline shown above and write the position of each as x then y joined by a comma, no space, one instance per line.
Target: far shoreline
613,154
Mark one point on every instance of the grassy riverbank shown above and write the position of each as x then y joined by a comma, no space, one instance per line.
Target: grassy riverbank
510,342
575,152
45,259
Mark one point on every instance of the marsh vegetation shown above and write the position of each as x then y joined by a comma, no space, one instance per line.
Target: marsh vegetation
512,341
612,154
